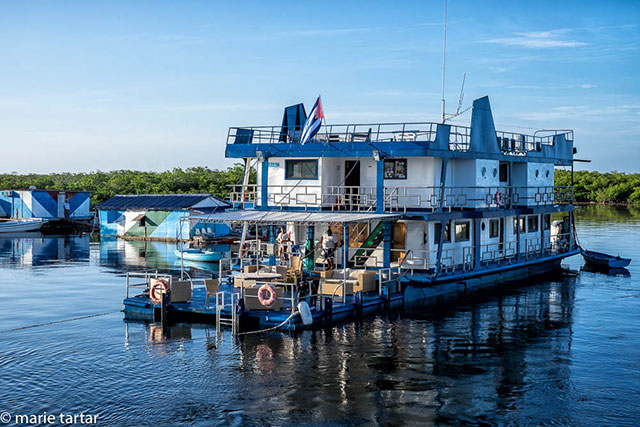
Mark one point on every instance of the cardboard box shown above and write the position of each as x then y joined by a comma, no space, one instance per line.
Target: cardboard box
328,287
326,274
366,282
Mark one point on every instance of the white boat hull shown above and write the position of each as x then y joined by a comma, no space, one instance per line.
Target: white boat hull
17,226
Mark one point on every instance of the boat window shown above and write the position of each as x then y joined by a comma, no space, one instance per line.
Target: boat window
532,223
395,169
494,228
504,172
546,221
462,231
522,225
301,169
436,233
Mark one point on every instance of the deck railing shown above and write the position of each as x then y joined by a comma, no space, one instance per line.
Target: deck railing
361,132
459,136
514,143
399,198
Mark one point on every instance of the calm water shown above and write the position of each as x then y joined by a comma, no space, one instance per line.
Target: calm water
565,351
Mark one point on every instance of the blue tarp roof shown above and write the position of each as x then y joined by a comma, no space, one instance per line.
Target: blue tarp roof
161,201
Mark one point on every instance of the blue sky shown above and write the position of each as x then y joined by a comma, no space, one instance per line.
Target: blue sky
154,85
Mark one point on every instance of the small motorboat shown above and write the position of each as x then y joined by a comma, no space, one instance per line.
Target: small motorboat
20,225
598,259
198,255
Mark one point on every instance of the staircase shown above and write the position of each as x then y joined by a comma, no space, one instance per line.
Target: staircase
371,242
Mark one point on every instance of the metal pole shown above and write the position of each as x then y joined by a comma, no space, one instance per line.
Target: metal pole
444,45
181,250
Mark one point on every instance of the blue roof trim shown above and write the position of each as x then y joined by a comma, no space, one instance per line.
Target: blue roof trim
386,149
157,201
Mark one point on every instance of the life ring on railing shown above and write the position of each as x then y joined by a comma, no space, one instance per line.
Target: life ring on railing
262,297
499,198
159,288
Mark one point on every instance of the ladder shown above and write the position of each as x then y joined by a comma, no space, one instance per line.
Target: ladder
224,319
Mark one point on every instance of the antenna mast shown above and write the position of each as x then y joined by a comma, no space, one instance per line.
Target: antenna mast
444,45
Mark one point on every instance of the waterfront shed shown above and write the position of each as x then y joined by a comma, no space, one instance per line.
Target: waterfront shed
157,216
47,204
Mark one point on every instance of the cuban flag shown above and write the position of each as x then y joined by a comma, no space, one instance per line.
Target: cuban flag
312,125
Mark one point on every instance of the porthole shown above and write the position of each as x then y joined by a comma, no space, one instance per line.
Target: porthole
547,174
483,226
484,171
495,172
537,173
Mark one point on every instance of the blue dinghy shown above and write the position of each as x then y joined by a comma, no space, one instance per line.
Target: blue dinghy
598,259
198,255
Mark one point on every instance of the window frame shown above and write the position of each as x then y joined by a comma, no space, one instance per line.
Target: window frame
529,222
546,222
467,224
495,221
288,162
436,232
394,161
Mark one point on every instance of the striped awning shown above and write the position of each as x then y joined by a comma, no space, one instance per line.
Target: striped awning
283,217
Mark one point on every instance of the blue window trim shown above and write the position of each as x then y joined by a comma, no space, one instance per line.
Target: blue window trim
286,164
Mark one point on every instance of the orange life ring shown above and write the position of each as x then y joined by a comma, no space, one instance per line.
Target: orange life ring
261,295
159,288
499,198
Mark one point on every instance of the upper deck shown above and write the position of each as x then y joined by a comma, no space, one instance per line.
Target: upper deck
416,139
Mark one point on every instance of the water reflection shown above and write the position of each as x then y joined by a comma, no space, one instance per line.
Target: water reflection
474,361
35,249
148,255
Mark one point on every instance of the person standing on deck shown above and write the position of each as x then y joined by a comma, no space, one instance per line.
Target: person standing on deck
283,240
329,244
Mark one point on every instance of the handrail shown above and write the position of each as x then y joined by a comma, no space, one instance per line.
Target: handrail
402,197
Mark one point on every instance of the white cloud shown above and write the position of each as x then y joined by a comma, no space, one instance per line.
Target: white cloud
538,40
576,112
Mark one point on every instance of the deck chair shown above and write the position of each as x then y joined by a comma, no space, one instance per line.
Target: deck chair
294,273
211,287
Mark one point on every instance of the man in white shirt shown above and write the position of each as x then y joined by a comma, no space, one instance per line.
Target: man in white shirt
329,244
283,240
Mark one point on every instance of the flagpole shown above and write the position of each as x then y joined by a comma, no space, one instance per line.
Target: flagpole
324,120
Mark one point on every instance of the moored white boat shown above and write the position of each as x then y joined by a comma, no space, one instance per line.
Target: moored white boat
20,225
198,255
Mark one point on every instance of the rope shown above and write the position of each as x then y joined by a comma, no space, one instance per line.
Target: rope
53,322
273,328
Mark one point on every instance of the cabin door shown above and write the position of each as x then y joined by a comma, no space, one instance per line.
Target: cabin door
351,183
398,241
501,235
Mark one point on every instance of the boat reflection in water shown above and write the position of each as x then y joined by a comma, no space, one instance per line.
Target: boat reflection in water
492,355
34,249
149,255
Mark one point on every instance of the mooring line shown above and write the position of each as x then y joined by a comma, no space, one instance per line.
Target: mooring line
53,322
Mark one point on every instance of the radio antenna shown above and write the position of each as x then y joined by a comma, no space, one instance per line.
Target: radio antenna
444,46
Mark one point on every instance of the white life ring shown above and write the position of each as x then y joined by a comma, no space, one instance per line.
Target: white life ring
267,302
499,198
159,288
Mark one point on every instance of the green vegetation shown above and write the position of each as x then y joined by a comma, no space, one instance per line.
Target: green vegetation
104,185
609,187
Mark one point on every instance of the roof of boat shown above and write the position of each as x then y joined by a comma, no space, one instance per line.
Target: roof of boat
162,201
279,217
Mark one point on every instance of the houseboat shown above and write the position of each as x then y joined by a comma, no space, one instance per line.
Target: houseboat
419,210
